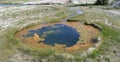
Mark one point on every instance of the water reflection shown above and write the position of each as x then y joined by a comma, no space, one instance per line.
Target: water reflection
56,34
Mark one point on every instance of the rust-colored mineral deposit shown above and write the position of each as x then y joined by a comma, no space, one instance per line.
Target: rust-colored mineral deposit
87,32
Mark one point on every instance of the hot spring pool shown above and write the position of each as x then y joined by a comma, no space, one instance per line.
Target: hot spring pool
56,34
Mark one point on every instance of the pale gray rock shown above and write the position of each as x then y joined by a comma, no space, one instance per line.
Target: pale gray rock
116,4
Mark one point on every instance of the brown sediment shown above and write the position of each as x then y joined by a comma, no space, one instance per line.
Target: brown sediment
87,32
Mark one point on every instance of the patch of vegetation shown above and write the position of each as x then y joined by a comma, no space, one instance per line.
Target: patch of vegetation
94,54
37,52
109,35
8,43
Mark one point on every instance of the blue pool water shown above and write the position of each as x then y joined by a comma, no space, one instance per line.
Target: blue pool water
57,34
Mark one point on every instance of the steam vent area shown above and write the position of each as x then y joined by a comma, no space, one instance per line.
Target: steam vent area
67,36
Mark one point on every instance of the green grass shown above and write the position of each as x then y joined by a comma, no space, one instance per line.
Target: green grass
109,35
37,52
94,54
8,43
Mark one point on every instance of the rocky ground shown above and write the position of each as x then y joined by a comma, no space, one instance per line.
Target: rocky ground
52,1
116,4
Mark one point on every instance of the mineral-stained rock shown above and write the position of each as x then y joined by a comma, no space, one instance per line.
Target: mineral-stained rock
37,38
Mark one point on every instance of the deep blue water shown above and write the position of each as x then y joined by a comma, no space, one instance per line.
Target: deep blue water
57,34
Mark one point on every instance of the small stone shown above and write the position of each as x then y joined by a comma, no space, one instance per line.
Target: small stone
99,38
90,50
114,51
